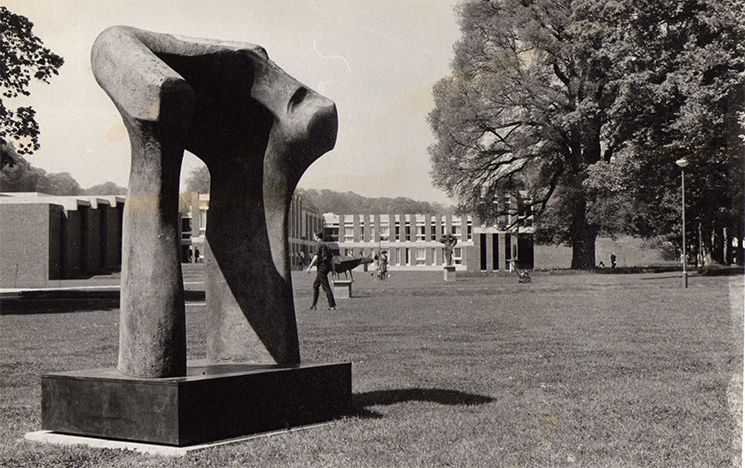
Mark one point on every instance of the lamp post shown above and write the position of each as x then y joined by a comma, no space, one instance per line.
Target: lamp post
682,163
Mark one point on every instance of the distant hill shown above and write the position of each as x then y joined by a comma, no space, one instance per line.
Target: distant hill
328,201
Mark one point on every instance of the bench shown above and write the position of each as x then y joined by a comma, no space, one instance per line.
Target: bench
342,289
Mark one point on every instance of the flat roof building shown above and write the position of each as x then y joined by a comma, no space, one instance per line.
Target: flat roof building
413,240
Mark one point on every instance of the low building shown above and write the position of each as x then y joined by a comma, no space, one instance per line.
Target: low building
45,237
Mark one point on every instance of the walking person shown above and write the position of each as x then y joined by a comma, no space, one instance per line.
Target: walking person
324,264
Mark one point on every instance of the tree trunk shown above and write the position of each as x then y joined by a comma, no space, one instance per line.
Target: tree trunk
583,248
707,246
583,238
717,243
740,257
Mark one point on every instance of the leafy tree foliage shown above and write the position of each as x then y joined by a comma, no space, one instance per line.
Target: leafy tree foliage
198,180
107,188
22,58
328,201
18,175
577,105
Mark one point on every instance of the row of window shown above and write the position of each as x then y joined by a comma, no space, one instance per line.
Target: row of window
403,256
421,233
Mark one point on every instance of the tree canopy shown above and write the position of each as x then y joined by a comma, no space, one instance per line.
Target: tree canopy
18,175
107,188
572,106
198,180
329,201
23,58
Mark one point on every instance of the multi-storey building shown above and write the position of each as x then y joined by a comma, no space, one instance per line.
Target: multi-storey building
412,241
302,223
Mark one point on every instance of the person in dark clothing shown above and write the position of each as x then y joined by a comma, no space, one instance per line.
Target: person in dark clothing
324,264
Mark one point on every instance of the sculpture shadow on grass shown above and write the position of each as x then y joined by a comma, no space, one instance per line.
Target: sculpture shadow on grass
66,302
362,401
60,302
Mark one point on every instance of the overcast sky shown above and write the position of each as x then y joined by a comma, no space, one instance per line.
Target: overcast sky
376,59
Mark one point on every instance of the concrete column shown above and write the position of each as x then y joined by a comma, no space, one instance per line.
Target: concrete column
430,258
503,247
489,252
438,225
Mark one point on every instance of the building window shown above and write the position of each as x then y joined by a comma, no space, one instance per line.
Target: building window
407,256
526,219
421,234
433,231
421,256
202,221
455,230
348,233
408,231
385,233
457,255
469,230
397,231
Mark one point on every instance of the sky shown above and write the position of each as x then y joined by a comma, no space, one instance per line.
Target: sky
378,60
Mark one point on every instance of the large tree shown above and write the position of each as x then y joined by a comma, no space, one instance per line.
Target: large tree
23,58
198,180
18,175
550,96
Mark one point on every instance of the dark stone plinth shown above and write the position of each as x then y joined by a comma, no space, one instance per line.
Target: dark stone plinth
212,402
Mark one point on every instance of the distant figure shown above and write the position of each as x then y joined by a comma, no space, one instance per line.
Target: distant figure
324,264
197,259
601,265
612,260
189,254
302,259
383,265
512,267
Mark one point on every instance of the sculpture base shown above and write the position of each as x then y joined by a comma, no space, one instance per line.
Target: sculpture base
213,402
448,273
342,289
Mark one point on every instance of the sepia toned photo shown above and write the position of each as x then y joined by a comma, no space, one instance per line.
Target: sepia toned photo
396,233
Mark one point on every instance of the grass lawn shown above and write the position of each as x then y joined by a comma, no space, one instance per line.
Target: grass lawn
620,370
630,252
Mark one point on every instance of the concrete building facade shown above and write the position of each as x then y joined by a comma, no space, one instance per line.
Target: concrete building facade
302,223
412,241
45,238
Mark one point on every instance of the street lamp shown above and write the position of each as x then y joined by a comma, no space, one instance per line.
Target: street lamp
682,163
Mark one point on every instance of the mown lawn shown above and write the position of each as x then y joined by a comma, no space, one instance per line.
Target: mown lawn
619,370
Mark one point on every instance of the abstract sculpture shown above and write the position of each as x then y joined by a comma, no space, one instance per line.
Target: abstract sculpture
449,241
257,129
